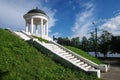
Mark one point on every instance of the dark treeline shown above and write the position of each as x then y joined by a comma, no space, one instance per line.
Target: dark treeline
105,43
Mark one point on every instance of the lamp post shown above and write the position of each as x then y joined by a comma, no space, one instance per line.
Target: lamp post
96,44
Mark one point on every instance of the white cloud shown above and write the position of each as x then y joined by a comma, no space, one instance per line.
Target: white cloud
112,25
11,13
88,5
51,15
83,21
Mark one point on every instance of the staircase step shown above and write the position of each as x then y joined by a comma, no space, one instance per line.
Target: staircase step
70,57
77,61
58,50
85,65
67,55
73,59
88,67
64,53
55,47
61,53
80,63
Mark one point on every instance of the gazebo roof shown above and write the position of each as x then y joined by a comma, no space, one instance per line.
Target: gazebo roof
36,11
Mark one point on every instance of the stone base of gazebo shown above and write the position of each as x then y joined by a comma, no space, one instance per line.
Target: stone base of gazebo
37,35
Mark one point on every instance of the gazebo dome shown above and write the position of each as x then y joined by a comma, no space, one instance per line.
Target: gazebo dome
36,11
36,22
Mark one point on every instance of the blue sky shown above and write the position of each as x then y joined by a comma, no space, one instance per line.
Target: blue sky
68,18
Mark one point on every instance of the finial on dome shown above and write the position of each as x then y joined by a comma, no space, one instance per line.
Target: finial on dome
36,7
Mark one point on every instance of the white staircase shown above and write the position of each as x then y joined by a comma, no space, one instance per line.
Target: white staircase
22,35
66,54
75,60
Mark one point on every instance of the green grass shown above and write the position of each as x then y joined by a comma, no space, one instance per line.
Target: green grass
84,54
41,39
20,61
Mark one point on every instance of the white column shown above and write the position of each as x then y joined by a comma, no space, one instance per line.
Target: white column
41,27
31,25
29,28
46,28
26,28
36,30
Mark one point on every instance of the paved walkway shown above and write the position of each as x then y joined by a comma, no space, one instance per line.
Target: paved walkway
114,72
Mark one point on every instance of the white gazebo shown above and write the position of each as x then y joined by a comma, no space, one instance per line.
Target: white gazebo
36,23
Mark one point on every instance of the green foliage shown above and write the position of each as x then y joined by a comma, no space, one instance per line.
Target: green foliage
84,54
115,44
104,41
85,44
63,41
41,39
92,42
20,61
75,41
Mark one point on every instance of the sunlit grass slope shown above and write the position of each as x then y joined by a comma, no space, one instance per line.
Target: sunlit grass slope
20,61
41,39
84,54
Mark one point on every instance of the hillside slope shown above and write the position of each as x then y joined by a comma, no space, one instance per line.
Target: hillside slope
20,61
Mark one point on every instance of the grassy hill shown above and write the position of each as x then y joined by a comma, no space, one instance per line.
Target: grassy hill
84,54
20,61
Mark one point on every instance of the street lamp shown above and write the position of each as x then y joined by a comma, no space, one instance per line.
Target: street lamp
96,44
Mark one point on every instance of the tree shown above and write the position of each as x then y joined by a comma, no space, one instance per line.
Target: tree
115,44
93,43
66,41
63,41
85,43
60,40
104,42
75,41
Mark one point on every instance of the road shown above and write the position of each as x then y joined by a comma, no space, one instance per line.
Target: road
114,72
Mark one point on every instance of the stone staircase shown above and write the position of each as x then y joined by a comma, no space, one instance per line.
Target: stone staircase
65,56
22,35
70,57
73,58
